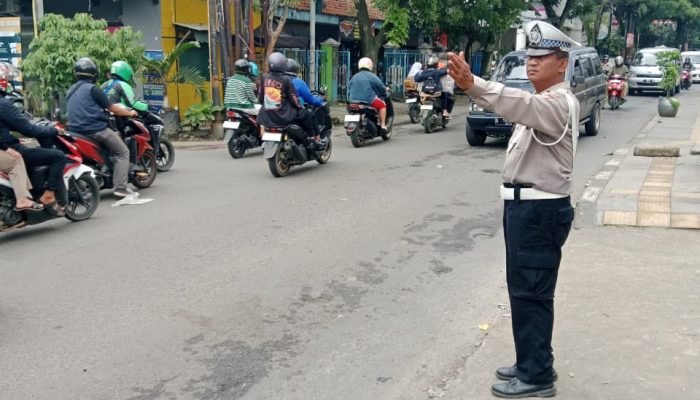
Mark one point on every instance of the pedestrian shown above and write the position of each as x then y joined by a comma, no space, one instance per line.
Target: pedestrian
537,213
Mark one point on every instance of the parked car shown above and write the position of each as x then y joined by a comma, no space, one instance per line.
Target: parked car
695,59
645,73
586,77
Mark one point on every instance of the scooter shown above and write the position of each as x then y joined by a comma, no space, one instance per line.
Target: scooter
414,103
362,121
290,146
241,131
165,151
686,81
616,84
80,194
431,112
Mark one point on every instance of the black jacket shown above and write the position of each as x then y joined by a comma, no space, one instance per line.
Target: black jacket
12,119
280,104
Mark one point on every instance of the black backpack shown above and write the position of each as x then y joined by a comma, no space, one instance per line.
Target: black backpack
429,86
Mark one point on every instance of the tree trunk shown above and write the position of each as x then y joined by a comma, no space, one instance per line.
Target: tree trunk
272,32
369,42
554,19
596,27
682,34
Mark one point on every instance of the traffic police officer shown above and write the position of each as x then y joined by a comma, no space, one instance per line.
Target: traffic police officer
537,212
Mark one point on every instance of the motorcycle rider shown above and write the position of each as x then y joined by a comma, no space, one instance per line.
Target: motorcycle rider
620,69
409,84
86,103
305,96
688,64
12,164
13,119
280,104
448,88
240,89
431,77
365,87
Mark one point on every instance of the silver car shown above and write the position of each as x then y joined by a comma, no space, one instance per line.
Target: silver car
645,73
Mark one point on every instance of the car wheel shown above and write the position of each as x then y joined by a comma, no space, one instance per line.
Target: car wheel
593,124
475,138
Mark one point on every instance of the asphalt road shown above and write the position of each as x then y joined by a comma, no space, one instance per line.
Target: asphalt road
365,278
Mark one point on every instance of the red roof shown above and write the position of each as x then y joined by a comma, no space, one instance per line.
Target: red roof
342,8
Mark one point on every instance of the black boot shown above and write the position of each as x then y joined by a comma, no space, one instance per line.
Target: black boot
508,373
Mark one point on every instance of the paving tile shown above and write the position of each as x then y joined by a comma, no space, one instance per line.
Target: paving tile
654,206
654,192
654,219
685,195
657,184
687,221
619,218
623,192
654,199
608,203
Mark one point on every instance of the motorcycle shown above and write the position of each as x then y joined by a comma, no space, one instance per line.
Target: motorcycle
686,80
165,153
241,131
97,156
431,112
414,103
362,121
290,146
616,84
80,194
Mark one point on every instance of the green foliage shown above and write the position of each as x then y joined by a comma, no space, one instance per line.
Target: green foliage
667,61
186,75
200,114
61,41
674,102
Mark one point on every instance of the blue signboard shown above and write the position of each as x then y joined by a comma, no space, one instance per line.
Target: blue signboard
153,84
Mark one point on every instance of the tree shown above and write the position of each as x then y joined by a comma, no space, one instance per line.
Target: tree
274,25
186,75
569,9
61,41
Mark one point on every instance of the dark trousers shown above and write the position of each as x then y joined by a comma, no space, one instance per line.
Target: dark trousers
535,231
307,121
54,159
449,101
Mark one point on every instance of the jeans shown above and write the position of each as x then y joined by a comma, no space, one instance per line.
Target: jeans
54,159
118,154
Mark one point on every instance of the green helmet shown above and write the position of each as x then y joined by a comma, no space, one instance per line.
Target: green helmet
122,69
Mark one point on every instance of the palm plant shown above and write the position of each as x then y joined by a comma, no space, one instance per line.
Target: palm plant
184,74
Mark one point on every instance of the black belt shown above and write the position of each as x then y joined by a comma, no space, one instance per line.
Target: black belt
516,186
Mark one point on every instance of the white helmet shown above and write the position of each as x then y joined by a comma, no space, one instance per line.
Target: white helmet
619,60
366,63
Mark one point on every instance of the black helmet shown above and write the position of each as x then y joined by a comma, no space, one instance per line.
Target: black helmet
606,57
242,66
277,62
687,59
85,68
292,67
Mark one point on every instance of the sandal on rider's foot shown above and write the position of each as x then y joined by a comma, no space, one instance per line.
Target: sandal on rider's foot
55,209
35,207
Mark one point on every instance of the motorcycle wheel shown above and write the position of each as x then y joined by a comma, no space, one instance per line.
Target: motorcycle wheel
81,207
278,167
414,113
236,148
150,166
326,154
356,139
166,155
428,123
614,102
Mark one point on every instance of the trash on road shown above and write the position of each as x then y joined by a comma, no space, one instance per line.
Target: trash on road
132,199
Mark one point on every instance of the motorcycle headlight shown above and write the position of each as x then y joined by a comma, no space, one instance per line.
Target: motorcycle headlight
476,107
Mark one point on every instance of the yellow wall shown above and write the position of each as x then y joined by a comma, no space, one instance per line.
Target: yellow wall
187,11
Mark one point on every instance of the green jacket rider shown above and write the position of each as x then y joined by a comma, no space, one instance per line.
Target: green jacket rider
118,89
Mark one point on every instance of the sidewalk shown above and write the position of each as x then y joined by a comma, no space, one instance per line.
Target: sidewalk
653,191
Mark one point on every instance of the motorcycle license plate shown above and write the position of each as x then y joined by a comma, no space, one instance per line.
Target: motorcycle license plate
232,124
413,100
352,118
272,137
426,107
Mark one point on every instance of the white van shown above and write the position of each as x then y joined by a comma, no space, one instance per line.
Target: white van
695,59
645,73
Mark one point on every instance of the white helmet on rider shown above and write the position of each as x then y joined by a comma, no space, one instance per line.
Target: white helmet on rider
365,63
619,60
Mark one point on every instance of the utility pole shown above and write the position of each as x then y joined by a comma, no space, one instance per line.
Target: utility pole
38,13
224,27
312,45
251,33
238,22
213,53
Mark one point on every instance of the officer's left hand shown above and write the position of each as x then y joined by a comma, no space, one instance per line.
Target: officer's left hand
460,71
